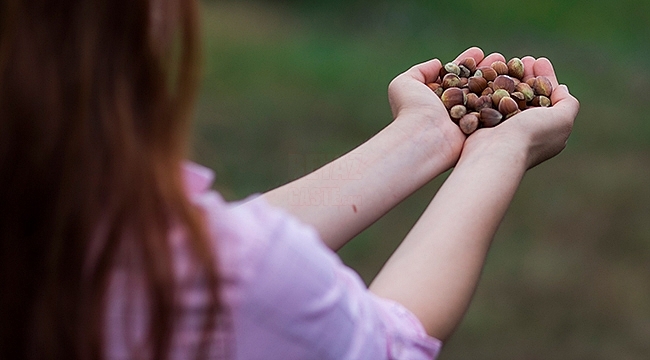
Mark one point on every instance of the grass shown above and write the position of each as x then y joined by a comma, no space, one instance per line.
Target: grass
568,276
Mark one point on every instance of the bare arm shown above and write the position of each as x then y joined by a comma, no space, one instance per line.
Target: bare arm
435,270
344,197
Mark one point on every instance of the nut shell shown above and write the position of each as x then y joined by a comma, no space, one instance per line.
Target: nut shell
490,117
508,106
487,72
452,96
451,68
457,112
469,63
500,67
516,68
525,89
476,84
543,86
504,82
520,99
469,123
450,80
498,95
541,101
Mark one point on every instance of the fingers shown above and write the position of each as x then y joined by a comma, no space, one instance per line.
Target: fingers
425,72
473,52
563,101
529,63
488,60
543,67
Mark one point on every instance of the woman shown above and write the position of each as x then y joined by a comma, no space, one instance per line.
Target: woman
114,247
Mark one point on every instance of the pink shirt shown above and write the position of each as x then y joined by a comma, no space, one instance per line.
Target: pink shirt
289,296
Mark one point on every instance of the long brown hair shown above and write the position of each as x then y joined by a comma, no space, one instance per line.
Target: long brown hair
95,106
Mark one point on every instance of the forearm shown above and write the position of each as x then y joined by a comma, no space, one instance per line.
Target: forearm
435,270
347,195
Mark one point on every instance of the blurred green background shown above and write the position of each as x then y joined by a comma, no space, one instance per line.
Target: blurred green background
568,276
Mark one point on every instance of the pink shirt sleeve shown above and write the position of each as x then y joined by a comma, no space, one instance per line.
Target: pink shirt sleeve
291,297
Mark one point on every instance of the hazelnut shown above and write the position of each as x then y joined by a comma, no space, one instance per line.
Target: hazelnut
508,106
543,86
451,68
452,96
457,112
490,117
487,91
472,101
450,80
477,84
541,101
484,101
463,82
469,63
500,67
520,99
504,82
516,68
498,95
487,72
469,123
464,71
531,82
525,89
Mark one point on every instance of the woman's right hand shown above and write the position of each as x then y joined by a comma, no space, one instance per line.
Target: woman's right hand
537,134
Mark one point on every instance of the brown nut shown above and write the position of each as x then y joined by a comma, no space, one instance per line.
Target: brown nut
450,80
504,82
500,67
525,89
490,117
451,68
463,82
477,84
531,81
520,99
472,101
469,63
508,106
457,112
452,96
464,71
487,91
543,86
484,101
487,72
498,95
469,123
541,101
516,68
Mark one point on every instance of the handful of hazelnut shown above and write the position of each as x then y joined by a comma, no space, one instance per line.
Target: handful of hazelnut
487,95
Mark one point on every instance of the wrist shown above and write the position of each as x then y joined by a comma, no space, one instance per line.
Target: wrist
496,149
439,142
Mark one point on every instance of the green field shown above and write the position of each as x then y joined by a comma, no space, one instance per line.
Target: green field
568,276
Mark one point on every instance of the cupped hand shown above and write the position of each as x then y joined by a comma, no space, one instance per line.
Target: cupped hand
418,110
537,134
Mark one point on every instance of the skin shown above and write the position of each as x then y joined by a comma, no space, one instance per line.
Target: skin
435,270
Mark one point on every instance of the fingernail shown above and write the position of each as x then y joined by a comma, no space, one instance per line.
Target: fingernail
566,88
